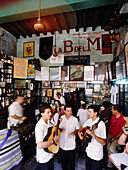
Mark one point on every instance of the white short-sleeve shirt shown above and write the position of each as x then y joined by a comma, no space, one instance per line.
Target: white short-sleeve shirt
15,109
67,142
41,131
95,149
62,101
83,116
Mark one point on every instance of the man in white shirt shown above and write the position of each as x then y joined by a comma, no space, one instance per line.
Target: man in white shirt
82,114
97,134
16,112
44,159
61,99
69,127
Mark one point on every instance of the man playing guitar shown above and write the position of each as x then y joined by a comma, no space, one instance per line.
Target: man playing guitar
43,158
94,149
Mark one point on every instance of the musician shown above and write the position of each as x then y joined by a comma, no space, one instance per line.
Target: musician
44,159
69,127
94,149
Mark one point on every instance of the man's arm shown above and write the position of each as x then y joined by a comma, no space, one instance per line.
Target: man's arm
46,144
100,140
115,137
17,117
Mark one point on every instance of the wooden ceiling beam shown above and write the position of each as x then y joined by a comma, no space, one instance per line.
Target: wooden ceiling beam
95,19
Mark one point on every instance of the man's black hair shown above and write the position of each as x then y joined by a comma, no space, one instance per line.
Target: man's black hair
67,105
117,107
94,107
106,104
84,105
58,93
43,107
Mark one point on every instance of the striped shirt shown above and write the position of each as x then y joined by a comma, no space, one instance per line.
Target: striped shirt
10,154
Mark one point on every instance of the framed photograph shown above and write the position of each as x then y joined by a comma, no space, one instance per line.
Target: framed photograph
64,73
101,71
49,92
28,49
55,72
57,83
46,84
76,72
45,73
88,73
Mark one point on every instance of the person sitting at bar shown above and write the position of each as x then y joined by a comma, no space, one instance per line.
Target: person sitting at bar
120,160
10,152
16,112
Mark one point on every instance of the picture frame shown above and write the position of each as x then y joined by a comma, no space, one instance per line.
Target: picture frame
55,73
56,83
49,92
64,73
46,84
28,49
89,73
76,72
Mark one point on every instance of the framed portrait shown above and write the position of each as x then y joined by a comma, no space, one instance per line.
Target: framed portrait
76,72
64,73
55,72
101,71
49,92
28,49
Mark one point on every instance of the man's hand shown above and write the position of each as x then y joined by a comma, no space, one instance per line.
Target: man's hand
24,118
80,134
90,132
56,138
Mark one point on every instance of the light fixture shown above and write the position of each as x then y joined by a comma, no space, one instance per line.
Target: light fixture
39,26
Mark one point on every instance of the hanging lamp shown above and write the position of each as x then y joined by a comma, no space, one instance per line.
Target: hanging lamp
39,26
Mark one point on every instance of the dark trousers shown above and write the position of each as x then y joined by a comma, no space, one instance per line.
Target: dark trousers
46,166
92,164
68,159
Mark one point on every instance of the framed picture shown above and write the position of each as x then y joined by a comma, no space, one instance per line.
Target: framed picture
55,73
49,92
64,73
28,49
76,72
46,84
89,73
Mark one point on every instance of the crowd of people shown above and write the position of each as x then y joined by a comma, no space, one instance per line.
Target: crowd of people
99,128
102,131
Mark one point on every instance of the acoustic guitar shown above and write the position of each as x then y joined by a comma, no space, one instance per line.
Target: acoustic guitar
52,131
86,136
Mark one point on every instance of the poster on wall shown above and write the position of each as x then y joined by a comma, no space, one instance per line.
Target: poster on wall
76,72
45,73
49,92
59,59
55,73
31,71
101,71
88,73
106,44
64,73
20,68
28,49
45,49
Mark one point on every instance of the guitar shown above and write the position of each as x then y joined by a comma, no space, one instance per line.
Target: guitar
86,136
52,131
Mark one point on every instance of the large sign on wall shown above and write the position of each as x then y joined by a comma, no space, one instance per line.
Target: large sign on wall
74,43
